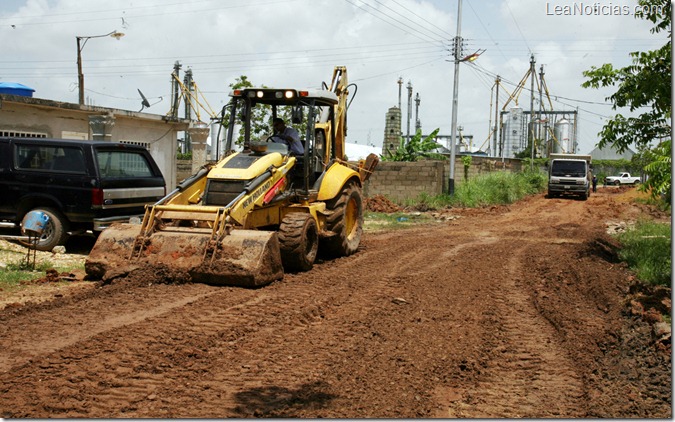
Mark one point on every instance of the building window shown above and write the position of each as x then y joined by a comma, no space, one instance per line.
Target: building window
145,145
20,134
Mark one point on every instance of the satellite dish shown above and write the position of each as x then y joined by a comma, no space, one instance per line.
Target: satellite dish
145,103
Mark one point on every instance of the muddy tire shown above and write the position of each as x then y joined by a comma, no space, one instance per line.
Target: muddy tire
298,241
55,231
345,222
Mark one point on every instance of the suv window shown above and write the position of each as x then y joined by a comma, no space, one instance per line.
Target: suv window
50,158
115,164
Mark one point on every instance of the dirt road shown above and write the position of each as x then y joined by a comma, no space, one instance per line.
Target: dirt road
516,311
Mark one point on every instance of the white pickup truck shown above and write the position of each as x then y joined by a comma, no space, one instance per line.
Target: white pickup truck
622,179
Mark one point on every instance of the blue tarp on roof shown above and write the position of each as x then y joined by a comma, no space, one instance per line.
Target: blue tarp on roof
15,88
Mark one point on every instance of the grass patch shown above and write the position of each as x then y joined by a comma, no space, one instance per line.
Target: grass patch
495,188
15,274
660,204
647,249
16,270
499,188
426,202
373,221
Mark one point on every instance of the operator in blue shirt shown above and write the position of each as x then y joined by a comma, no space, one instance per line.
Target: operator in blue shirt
288,136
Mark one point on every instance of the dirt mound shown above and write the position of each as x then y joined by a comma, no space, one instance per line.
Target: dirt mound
380,203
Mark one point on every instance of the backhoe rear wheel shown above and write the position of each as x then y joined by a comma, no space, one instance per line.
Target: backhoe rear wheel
345,221
298,241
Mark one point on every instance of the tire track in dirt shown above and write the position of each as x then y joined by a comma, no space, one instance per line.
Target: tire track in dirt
531,376
221,325
422,322
58,329
224,329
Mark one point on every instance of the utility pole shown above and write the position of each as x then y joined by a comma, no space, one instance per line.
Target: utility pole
81,42
410,88
400,83
575,144
541,136
188,84
458,55
496,134
175,90
530,131
418,124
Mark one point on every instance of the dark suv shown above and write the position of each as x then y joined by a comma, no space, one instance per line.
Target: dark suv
79,185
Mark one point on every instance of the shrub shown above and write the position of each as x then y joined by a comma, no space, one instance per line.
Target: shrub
646,248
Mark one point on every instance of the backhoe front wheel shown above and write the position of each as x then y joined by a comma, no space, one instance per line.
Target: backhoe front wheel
298,241
345,221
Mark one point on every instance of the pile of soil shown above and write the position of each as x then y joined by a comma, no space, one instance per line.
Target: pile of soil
380,203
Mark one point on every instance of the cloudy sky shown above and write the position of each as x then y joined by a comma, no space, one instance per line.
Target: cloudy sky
296,43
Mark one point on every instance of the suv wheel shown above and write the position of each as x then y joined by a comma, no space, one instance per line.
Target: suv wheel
55,231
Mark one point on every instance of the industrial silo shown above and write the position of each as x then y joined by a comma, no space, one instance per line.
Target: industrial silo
513,132
562,129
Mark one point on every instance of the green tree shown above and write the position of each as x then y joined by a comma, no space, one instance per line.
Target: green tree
645,84
659,170
260,123
261,115
416,149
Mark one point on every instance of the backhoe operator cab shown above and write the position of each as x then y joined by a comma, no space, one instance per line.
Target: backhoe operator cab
312,115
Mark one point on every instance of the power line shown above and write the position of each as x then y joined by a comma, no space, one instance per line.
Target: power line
407,18
447,34
488,32
416,34
494,75
390,47
297,56
265,61
397,71
154,14
268,64
506,2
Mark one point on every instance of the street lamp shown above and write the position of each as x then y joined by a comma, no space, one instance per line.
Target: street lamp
81,41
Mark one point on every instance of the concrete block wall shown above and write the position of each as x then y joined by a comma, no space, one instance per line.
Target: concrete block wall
183,170
399,180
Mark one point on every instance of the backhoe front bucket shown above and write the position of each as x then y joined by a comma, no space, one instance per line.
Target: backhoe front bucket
247,258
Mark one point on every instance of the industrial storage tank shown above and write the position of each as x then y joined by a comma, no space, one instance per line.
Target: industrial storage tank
562,129
513,135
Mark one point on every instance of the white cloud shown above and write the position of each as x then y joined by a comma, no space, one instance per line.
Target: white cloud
297,43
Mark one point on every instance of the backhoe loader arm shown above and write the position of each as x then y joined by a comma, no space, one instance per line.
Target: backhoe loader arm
338,86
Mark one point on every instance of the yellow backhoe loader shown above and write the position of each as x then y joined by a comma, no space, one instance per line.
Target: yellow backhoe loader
257,212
